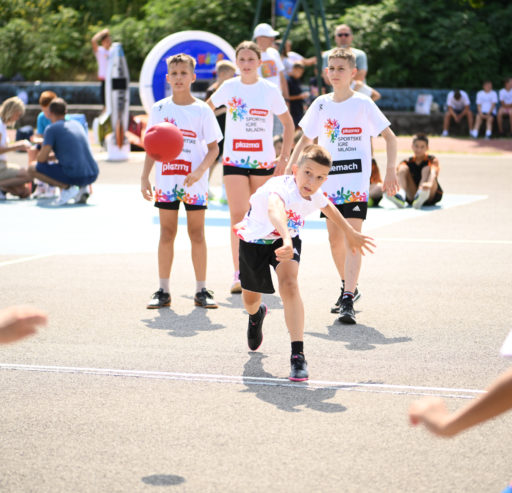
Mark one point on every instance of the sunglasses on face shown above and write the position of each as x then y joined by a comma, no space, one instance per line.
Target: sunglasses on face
343,34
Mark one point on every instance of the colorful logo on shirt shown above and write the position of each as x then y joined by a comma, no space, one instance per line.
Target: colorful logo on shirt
332,129
178,167
345,197
247,145
268,69
295,222
180,194
351,131
172,120
237,109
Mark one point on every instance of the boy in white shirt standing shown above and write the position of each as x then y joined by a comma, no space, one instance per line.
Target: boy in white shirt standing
344,122
486,101
183,180
269,236
505,97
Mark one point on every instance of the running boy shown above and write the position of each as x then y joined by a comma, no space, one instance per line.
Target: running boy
417,177
183,180
344,122
269,236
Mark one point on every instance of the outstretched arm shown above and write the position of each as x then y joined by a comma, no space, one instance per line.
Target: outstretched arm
17,322
432,412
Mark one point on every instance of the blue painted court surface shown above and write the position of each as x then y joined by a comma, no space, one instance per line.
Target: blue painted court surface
117,220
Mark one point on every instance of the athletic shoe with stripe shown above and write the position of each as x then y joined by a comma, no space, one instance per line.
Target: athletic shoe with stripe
255,329
397,199
420,198
205,299
347,313
336,307
299,368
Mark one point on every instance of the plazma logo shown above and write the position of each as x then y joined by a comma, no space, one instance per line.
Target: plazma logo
237,108
332,129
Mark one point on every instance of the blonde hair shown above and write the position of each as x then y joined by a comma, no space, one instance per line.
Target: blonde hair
46,98
223,66
344,54
181,58
316,153
248,45
11,107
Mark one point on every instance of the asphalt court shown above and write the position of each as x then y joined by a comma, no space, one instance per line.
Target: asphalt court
113,397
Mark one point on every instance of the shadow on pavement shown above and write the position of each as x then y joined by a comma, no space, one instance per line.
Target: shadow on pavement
181,325
286,396
359,337
163,480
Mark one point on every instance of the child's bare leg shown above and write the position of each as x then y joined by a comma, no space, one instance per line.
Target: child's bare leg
337,243
406,182
168,230
446,122
352,260
238,194
252,301
195,226
287,273
478,122
490,120
469,116
425,177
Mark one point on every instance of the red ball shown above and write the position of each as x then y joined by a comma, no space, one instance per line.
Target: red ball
163,142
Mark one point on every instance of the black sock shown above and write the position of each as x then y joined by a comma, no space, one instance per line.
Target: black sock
298,347
255,317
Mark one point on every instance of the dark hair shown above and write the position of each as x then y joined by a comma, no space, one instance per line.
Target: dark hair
58,107
421,136
317,154
248,45
457,95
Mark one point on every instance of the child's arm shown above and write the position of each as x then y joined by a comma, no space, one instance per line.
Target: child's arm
96,37
288,131
17,322
19,145
145,184
432,412
303,142
209,159
356,241
390,185
434,170
277,216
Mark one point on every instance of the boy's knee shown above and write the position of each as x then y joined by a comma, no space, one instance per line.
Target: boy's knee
196,235
168,233
288,285
403,169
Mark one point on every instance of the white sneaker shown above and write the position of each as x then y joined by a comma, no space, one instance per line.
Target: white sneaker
49,192
39,191
397,199
67,194
474,133
83,195
488,135
420,198
236,287
445,133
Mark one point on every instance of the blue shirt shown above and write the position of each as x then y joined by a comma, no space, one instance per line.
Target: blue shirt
43,122
69,142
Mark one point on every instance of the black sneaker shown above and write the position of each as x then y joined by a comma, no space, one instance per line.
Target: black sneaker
159,300
347,314
299,371
336,307
254,330
205,299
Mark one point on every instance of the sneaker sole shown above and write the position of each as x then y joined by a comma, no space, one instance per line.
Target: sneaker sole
356,297
347,319
83,199
205,306
236,290
298,379
157,307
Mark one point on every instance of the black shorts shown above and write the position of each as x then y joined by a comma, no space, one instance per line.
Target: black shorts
102,92
174,206
255,261
236,170
351,209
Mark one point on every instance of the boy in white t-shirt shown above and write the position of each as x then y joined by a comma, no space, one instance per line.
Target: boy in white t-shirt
344,122
505,98
486,101
101,43
269,236
457,107
184,179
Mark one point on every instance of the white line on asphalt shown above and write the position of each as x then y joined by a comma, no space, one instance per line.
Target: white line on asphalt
25,259
447,240
248,380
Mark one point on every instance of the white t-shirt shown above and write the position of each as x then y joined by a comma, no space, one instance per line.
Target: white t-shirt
290,59
102,58
363,89
486,99
457,105
199,127
506,96
248,141
271,66
3,140
256,226
344,129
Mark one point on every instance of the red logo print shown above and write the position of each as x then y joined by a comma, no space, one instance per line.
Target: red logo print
247,145
257,112
351,131
178,167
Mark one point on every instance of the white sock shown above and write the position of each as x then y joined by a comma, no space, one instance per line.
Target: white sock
164,285
488,133
200,285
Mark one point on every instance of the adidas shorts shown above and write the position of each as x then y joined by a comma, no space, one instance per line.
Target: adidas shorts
352,209
255,261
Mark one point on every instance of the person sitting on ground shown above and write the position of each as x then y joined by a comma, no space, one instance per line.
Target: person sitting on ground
376,181
505,97
13,179
486,101
457,107
418,177
75,168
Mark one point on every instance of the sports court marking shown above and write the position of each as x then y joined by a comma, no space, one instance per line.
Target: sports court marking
446,392
25,259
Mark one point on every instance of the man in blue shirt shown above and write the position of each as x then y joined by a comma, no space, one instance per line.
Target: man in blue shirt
75,168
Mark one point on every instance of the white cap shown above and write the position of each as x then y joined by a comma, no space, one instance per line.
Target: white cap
264,30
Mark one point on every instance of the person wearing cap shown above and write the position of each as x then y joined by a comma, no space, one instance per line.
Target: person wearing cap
272,67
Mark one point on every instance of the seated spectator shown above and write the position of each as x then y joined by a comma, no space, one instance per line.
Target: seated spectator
457,107
75,168
486,101
296,95
417,177
13,179
365,89
505,97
